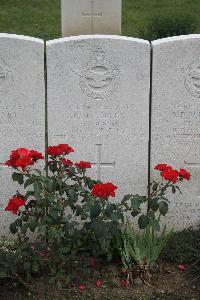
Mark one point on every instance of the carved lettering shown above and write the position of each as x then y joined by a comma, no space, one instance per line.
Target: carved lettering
6,77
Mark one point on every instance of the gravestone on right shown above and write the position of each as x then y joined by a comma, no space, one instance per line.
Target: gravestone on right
176,120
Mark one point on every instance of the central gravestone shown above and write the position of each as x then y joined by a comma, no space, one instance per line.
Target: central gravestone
98,91
176,120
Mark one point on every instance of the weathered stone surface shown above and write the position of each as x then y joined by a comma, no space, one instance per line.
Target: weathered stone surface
91,17
176,120
98,93
22,106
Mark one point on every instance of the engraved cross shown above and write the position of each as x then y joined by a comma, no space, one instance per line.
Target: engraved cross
99,164
192,164
92,14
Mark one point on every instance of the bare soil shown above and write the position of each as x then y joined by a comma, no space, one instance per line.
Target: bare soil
166,283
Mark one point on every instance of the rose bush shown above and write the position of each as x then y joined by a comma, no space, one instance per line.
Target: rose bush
55,201
69,212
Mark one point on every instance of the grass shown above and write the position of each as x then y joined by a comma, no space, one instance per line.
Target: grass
41,18
138,13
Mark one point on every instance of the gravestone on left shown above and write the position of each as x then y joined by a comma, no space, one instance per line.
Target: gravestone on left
22,111
91,17
98,91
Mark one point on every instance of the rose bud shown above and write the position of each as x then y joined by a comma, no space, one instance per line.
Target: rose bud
181,268
124,282
82,287
98,283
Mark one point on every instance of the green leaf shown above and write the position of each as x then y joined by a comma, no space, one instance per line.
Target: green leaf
84,216
18,222
78,210
109,209
151,214
71,171
95,210
126,198
71,193
24,228
89,182
42,229
52,167
178,188
116,216
37,187
51,186
135,213
154,224
53,213
29,181
155,186
135,203
173,189
143,221
18,177
33,224
38,171
153,204
163,207
13,228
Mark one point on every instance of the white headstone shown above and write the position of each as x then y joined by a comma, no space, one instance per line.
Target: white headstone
98,91
91,17
176,120
22,106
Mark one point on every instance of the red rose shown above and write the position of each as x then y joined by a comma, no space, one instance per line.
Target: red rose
66,148
11,163
160,167
23,162
14,204
66,162
83,165
170,174
103,190
36,155
22,158
184,174
181,268
61,149
21,152
82,287
124,282
42,253
98,283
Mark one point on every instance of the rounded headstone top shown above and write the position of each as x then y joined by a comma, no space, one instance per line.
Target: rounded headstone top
175,39
97,36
